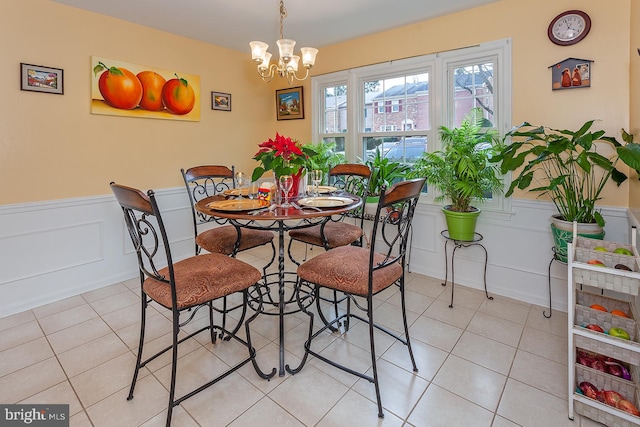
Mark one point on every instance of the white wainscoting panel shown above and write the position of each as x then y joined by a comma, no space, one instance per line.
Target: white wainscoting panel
519,251
57,249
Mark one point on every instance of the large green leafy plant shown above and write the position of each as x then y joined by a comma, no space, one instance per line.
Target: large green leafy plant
384,172
566,166
461,171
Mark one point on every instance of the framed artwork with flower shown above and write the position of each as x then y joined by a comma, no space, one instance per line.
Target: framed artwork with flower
289,104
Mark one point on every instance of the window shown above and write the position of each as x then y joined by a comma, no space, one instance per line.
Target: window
334,114
397,107
472,85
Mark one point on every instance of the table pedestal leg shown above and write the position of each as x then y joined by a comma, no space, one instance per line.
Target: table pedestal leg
281,303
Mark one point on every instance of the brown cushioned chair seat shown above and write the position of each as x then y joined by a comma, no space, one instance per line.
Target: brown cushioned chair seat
221,239
347,269
202,278
337,234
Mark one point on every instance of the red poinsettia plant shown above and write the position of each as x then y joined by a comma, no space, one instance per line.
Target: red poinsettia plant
282,155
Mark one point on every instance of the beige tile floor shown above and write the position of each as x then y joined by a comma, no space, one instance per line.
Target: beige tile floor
482,363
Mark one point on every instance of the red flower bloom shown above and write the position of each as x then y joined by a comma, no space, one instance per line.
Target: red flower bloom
283,155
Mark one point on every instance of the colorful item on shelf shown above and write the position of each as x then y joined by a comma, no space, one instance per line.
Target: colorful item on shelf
596,334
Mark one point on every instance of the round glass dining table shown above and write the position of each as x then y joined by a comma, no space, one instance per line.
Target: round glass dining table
302,212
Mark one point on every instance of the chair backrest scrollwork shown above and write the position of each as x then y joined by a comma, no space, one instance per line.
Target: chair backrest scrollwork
205,181
146,229
393,219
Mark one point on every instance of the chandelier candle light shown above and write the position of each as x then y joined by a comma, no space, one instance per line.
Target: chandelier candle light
287,66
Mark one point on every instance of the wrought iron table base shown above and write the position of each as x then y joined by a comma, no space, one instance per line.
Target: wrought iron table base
462,244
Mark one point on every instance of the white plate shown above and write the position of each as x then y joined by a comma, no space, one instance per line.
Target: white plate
325,201
322,189
238,204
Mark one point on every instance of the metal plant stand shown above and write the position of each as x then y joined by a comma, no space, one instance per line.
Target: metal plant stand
555,257
477,238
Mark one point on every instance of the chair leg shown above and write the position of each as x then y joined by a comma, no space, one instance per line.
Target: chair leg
273,257
335,302
240,321
143,318
290,254
321,314
307,344
264,272
348,316
252,351
224,317
212,330
406,326
373,355
174,365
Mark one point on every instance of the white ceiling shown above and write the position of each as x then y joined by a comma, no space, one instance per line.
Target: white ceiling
234,23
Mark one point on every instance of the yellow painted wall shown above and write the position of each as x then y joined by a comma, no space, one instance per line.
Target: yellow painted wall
526,24
78,153
634,106
52,147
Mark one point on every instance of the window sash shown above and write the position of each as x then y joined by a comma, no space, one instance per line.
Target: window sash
441,100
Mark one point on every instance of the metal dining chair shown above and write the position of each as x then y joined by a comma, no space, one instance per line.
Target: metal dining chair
213,180
183,287
361,273
354,179
343,230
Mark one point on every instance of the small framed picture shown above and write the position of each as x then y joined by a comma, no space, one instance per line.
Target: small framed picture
572,73
38,78
289,104
220,101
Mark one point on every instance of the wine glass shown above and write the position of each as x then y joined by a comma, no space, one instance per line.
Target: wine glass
254,188
316,178
241,180
286,183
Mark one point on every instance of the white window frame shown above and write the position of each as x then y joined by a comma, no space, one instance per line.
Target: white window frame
438,66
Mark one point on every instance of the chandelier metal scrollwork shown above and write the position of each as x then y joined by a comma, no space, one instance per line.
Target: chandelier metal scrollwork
287,65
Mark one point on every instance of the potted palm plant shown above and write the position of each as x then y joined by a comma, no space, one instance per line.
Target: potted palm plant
462,173
567,167
325,157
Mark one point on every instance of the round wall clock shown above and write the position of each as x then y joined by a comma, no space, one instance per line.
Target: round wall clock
569,27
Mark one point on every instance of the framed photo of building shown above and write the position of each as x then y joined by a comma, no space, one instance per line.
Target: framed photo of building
38,78
289,104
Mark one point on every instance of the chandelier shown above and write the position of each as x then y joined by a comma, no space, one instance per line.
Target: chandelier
287,65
